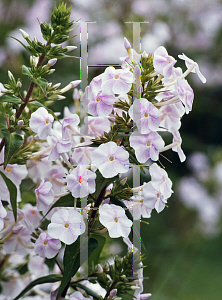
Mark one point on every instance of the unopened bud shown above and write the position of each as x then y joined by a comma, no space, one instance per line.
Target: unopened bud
134,287
52,62
34,61
71,85
70,48
51,71
20,123
113,292
57,85
137,71
123,181
126,44
59,97
145,296
75,83
36,137
112,119
76,95
19,84
144,54
99,268
24,34
10,75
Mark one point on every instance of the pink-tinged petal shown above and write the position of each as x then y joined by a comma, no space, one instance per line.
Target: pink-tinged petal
112,229
64,146
122,167
92,108
68,237
107,99
143,126
142,154
107,169
154,153
99,157
54,155
159,206
122,230
121,87
55,229
44,131
121,154
125,221
103,109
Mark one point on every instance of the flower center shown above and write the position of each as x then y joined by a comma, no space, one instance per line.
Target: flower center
148,144
47,121
116,76
116,219
111,158
158,195
45,242
66,225
8,169
163,179
97,99
80,180
32,212
37,193
146,114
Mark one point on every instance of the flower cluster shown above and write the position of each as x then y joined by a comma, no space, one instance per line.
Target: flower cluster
77,165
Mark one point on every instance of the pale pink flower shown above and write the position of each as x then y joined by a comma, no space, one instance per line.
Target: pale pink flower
160,180
162,62
45,246
145,115
185,94
78,296
153,198
81,181
190,63
41,122
68,123
146,145
110,159
177,139
113,217
44,195
66,225
116,81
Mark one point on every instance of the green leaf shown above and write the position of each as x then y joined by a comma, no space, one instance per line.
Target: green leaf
45,279
13,142
26,71
94,258
40,81
37,103
10,99
86,289
71,261
13,193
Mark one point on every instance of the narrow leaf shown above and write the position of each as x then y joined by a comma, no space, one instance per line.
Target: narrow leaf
10,99
13,193
94,258
71,261
45,279
13,142
26,71
86,289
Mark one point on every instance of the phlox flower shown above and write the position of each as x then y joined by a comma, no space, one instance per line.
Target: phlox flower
45,246
44,195
146,146
113,217
81,181
41,122
3,214
66,225
190,63
82,155
153,198
110,159
162,62
185,94
145,115
170,116
78,296
95,125
32,215
116,81
160,180
177,139
68,123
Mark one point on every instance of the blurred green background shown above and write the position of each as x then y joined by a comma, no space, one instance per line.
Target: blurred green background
184,242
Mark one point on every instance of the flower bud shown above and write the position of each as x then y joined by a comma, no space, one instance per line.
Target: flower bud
24,34
112,119
99,268
123,181
59,97
126,44
144,54
20,123
19,84
52,62
137,71
70,48
113,292
134,287
10,75
76,95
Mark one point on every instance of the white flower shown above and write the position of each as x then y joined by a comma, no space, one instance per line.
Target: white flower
66,225
41,122
113,217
